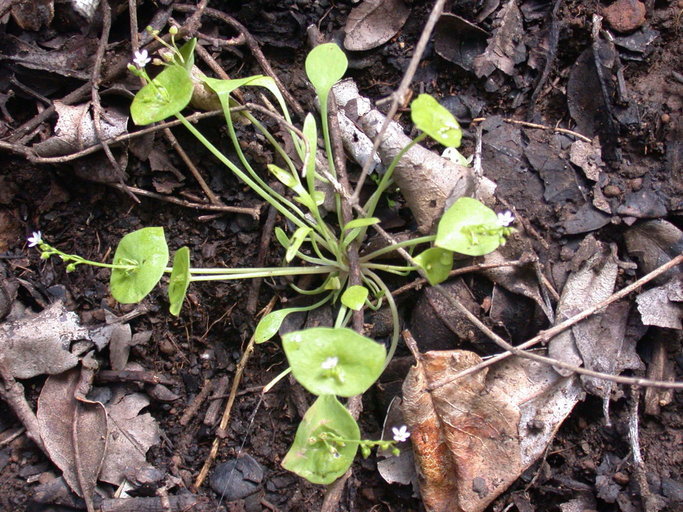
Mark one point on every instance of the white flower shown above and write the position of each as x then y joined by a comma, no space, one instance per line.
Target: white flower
329,363
400,434
506,218
141,58
36,239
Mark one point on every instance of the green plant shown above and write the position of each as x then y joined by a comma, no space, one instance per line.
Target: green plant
329,362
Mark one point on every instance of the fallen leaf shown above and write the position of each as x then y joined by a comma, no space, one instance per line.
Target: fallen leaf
39,344
654,243
130,436
459,41
662,306
373,23
505,47
73,430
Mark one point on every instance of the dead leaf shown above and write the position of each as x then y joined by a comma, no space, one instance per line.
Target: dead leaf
33,14
592,283
40,344
73,430
75,129
396,468
505,48
654,243
459,41
130,436
662,306
373,23
475,436
119,346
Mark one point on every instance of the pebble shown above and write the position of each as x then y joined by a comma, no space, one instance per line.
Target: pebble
621,478
611,191
237,478
665,118
625,15
636,184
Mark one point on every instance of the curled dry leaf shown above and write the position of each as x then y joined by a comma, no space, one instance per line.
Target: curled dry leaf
663,306
505,48
73,429
426,180
475,436
373,23
39,344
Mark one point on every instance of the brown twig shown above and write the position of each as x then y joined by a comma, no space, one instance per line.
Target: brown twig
264,246
539,126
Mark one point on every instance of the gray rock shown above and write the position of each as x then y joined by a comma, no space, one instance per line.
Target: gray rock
237,478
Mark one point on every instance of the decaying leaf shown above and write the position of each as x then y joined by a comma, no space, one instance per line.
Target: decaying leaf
75,129
73,430
505,48
590,284
33,14
40,344
130,436
654,243
373,23
663,306
475,436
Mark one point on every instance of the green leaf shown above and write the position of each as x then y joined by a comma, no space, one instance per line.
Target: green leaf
179,280
359,361
164,96
361,223
270,325
325,66
354,297
284,177
147,249
435,121
310,131
282,237
312,458
436,263
187,51
469,227
298,238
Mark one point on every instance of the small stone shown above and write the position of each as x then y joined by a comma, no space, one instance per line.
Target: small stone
621,478
625,15
611,191
237,478
166,347
636,184
665,118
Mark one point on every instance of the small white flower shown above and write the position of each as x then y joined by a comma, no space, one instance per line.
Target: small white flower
400,434
506,218
141,58
329,363
36,239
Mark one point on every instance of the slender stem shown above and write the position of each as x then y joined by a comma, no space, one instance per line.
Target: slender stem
277,379
394,313
341,316
391,248
390,268
274,272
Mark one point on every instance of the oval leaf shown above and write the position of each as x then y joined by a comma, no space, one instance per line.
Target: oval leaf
298,238
270,325
437,263
146,248
179,281
361,223
325,66
435,121
166,95
463,228
310,457
336,361
354,297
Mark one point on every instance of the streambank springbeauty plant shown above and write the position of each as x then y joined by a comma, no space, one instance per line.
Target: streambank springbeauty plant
330,362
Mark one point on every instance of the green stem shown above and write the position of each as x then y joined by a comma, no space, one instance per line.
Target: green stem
390,268
391,248
394,313
267,272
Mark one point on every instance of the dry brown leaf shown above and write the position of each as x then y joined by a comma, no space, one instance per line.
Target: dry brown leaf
505,47
475,436
373,23
73,430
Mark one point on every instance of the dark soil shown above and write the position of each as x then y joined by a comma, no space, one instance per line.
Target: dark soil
587,457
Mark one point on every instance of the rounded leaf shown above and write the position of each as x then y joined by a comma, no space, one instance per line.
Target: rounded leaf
335,361
147,249
270,325
354,297
325,66
323,461
469,227
179,280
437,122
437,263
166,95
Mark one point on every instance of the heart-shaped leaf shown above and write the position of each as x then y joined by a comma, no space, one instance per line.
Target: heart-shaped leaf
469,227
164,96
316,455
325,66
435,121
354,297
146,248
179,280
436,263
336,361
